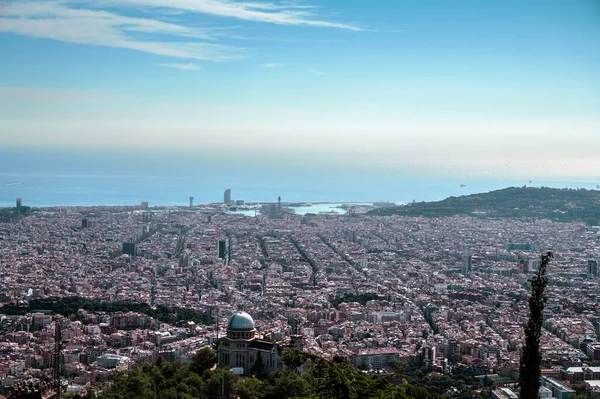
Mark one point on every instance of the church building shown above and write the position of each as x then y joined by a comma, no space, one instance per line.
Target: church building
241,348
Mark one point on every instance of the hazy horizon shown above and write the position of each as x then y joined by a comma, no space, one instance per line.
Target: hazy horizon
86,177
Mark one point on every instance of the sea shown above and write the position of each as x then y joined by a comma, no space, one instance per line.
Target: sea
80,178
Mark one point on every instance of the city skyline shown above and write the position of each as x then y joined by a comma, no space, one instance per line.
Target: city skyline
493,88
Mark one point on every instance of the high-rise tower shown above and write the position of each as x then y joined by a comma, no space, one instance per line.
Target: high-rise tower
467,264
592,268
222,249
227,196
191,202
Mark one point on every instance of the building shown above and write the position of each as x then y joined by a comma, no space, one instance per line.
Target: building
375,358
222,249
241,349
32,389
453,349
20,209
592,268
428,355
130,248
351,235
227,196
545,393
467,264
110,360
520,246
275,211
559,390
578,374
593,351
191,202
504,393
523,266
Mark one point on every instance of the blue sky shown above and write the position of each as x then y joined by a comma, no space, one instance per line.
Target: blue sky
481,84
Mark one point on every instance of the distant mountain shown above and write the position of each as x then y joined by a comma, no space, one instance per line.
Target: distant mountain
564,205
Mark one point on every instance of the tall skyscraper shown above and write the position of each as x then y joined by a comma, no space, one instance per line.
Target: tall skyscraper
222,249
191,202
130,248
18,205
467,264
592,268
227,196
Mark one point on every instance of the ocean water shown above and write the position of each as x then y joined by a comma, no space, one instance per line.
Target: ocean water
303,210
85,179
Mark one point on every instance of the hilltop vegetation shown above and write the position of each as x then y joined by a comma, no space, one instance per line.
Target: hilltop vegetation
561,205
70,305
306,377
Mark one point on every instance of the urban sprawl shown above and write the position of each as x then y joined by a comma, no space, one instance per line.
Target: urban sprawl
436,292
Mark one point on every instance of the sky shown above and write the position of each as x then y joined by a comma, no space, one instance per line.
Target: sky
486,87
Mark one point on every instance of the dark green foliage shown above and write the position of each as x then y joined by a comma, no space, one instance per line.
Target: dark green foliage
258,367
219,384
294,359
284,384
250,388
320,379
462,378
69,305
133,384
561,205
531,357
203,360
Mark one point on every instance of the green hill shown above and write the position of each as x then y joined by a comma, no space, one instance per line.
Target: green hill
563,205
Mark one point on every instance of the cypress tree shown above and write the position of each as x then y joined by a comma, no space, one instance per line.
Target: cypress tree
531,357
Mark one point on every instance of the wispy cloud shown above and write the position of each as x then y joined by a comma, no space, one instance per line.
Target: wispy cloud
183,67
282,14
105,23
272,65
54,20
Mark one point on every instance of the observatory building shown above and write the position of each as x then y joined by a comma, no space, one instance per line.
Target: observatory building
241,348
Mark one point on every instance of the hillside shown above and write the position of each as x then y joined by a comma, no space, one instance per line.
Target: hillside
563,205
306,377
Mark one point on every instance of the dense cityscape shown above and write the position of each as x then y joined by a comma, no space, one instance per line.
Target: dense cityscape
114,286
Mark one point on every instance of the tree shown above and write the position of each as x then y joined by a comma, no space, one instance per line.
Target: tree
337,381
203,360
250,388
258,367
531,357
293,358
284,384
220,384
